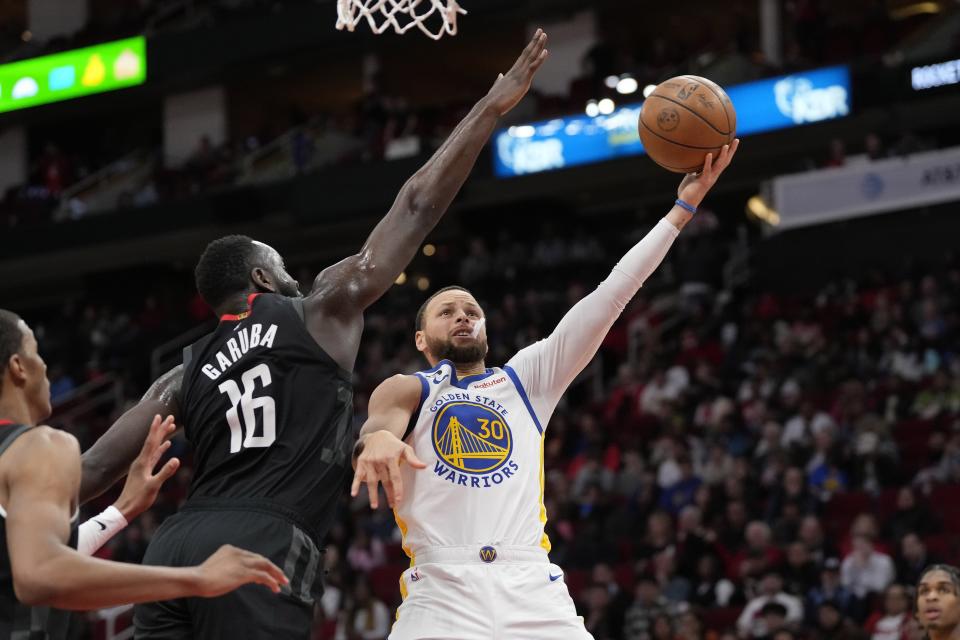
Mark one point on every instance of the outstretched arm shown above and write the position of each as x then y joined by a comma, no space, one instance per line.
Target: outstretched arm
42,482
345,289
380,450
547,367
111,456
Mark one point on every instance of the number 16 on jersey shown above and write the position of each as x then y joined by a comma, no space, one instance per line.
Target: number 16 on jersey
244,401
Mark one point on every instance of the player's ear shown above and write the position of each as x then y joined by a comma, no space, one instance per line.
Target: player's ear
420,339
263,279
14,366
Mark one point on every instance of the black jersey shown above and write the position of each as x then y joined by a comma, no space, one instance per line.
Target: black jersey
18,621
269,415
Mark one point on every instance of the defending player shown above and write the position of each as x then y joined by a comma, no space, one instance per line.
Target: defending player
266,398
39,479
469,501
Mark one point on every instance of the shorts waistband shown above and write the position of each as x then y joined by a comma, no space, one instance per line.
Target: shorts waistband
258,505
477,554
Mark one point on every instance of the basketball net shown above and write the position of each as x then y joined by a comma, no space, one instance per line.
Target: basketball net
402,15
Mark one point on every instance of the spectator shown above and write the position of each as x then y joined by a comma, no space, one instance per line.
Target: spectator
366,553
800,429
647,605
751,623
891,623
831,590
914,558
833,625
865,570
811,535
617,599
367,617
774,617
680,494
910,516
711,589
800,573
599,618
760,554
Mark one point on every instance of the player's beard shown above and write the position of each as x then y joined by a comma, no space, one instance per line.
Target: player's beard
467,354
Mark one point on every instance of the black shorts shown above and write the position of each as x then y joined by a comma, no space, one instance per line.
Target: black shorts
251,612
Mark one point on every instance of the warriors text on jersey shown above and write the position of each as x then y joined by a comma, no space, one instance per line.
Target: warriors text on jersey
18,620
269,414
483,446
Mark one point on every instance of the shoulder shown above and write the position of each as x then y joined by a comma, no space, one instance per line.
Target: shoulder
402,384
166,386
56,443
398,391
44,448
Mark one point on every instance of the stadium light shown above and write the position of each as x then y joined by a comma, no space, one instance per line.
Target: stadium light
647,90
593,110
627,85
606,106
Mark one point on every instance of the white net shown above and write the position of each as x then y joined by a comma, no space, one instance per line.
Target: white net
433,17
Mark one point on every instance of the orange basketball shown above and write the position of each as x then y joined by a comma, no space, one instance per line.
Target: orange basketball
683,120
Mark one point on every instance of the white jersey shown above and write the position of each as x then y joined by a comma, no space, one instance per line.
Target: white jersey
482,437
483,446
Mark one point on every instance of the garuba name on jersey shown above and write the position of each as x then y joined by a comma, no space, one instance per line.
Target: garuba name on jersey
483,448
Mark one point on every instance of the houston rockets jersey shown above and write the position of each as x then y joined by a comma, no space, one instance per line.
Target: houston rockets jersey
483,446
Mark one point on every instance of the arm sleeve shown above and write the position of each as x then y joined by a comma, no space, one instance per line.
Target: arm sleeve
95,532
546,368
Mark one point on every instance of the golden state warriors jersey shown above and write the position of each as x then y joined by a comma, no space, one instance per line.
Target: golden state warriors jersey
483,446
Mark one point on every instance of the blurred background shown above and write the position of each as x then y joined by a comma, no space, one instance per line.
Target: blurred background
768,443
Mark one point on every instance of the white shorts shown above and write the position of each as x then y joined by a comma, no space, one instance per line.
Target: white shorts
451,594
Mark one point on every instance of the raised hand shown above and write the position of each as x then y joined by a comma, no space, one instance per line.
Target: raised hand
695,186
142,485
510,88
380,463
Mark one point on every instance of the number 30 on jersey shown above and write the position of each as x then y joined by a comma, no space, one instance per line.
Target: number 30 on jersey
248,404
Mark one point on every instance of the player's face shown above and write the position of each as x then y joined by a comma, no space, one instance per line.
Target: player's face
281,281
33,372
938,603
454,328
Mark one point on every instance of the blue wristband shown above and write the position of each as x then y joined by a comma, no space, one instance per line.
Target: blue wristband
683,205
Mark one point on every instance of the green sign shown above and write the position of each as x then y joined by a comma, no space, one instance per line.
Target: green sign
72,74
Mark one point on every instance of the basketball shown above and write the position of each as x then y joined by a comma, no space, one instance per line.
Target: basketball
683,120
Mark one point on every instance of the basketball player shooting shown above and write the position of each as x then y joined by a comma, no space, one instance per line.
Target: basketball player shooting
266,399
40,566
468,497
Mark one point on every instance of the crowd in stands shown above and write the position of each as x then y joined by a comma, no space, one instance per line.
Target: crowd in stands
736,464
384,127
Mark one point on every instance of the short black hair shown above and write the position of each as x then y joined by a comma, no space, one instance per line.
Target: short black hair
948,569
11,338
423,308
224,268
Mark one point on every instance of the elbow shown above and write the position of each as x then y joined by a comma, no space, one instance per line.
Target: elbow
36,590
412,197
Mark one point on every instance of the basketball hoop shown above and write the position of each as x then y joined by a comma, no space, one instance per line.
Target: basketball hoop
402,15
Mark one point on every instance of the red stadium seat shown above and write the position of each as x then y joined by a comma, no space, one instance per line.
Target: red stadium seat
625,577
720,619
945,497
385,583
576,580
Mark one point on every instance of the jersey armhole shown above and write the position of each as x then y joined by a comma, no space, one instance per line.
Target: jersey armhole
298,307
187,359
415,417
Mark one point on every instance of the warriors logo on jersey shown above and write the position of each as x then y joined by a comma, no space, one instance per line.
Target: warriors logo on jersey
471,437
